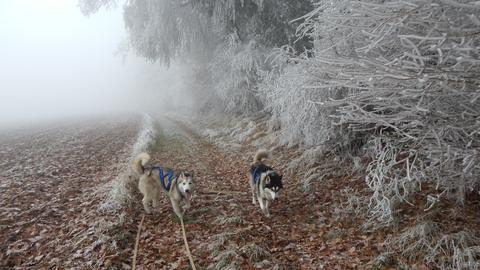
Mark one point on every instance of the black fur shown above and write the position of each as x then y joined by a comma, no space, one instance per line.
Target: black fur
261,168
275,178
275,182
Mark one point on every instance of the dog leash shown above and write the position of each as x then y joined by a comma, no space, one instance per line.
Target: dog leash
137,240
166,187
190,258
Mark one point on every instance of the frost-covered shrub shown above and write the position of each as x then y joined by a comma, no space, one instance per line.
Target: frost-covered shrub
288,96
407,74
429,242
123,189
235,72
294,94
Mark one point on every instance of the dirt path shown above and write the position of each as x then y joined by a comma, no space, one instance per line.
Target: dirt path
50,198
226,231
50,179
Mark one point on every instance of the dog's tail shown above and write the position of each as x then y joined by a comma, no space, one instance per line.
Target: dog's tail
260,155
140,162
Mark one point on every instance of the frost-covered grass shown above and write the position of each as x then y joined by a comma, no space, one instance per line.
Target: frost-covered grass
236,220
353,204
229,248
225,260
254,252
428,241
225,254
123,189
146,137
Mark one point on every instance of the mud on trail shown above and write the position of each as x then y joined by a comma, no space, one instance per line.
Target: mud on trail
51,184
226,231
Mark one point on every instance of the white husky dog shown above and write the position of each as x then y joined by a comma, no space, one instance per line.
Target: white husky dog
152,183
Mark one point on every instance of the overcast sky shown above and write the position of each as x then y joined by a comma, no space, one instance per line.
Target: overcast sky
55,62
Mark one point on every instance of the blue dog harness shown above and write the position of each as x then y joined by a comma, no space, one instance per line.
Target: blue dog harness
255,177
162,175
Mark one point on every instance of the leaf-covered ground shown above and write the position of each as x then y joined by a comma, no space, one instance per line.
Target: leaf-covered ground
226,231
51,183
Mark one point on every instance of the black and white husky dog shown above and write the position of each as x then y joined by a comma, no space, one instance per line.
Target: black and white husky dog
264,182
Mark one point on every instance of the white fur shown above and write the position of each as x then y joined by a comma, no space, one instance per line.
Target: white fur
260,155
270,194
140,162
150,187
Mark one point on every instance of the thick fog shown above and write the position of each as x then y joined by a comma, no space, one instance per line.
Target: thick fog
56,63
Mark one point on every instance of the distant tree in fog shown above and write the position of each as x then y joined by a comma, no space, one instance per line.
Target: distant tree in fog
89,7
228,38
165,29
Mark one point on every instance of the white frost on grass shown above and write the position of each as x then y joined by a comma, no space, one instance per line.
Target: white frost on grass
124,187
146,136
428,240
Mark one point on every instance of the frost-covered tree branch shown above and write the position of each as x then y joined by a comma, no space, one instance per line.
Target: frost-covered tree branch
404,73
